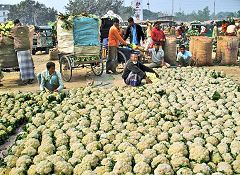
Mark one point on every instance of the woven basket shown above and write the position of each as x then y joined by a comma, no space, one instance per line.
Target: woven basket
229,50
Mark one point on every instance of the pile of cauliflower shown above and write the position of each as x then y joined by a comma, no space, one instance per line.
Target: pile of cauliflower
17,108
173,126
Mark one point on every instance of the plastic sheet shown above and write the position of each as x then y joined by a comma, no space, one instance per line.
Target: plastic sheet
86,31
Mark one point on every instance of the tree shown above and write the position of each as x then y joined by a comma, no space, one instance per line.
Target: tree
31,12
126,12
97,7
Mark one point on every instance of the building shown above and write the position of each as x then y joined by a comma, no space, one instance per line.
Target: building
4,10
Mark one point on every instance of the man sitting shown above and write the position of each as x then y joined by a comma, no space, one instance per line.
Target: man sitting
50,79
134,72
157,55
184,57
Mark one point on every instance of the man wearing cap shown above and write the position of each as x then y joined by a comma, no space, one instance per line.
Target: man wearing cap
113,43
158,35
157,55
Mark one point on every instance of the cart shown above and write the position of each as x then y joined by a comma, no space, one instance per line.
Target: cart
79,44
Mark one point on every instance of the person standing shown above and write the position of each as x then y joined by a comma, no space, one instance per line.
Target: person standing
148,33
113,43
158,35
215,32
135,32
22,45
224,27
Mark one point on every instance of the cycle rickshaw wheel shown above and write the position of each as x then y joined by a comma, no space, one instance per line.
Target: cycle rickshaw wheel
66,68
97,67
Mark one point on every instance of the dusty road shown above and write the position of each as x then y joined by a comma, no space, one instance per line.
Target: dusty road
81,77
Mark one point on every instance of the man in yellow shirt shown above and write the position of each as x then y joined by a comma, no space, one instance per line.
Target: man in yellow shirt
114,39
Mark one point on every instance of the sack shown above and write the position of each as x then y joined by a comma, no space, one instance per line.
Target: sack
201,48
8,56
86,31
65,38
228,50
53,54
170,50
21,38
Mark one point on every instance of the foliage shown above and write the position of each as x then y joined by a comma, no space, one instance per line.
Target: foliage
32,12
97,7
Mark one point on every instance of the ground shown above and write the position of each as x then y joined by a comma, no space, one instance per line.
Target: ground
82,76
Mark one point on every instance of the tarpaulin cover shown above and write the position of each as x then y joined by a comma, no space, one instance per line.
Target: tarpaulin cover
86,31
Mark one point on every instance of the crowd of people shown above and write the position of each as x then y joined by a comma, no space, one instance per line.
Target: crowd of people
153,40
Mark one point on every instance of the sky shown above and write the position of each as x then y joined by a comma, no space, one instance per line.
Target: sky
158,5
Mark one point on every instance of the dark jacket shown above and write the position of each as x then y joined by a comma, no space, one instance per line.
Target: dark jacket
138,68
140,34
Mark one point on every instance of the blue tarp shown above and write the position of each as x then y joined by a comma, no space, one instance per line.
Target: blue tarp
86,31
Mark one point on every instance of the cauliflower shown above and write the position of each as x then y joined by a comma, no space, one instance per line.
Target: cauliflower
81,168
178,161
163,169
90,159
62,167
178,148
32,170
30,151
198,153
235,147
160,159
236,166
225,168
202,168
18,171
11,160
23,161
122,167
149,153
142,168
44,167
160,148
184,171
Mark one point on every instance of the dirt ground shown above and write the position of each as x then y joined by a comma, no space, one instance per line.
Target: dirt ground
82,76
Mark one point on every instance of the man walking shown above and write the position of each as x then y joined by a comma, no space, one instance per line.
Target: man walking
135,31
21,36
113,43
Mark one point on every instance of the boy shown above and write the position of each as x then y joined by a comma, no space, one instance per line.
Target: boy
50,79
184,57
134,72
157,55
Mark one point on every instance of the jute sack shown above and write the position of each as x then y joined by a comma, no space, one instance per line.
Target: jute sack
219,50
203,51
21,38
65,39
53,54
8,56
192,47
170,50
229,50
